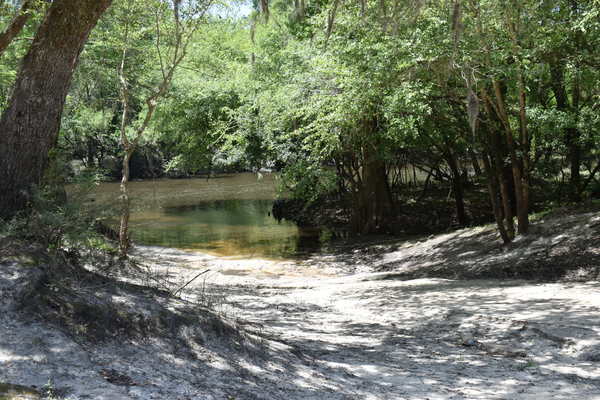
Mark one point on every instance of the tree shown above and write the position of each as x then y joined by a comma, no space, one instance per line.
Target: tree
186,19
29,126
521,73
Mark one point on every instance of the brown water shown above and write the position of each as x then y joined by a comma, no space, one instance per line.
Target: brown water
227,215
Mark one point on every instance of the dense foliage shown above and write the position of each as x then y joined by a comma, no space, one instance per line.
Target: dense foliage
355,99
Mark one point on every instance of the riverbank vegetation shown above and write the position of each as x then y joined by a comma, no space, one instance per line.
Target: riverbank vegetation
402,114
467,129
380,117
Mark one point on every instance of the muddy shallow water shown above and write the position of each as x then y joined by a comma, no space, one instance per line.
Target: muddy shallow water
228,216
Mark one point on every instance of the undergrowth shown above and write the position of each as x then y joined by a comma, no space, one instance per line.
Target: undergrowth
79,284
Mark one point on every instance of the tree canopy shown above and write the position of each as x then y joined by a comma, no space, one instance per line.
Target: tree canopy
346,99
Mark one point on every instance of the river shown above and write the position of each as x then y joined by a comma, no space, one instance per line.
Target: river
227,216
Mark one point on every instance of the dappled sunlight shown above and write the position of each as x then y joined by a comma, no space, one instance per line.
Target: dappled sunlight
556,247
314,329
347,336
410,337
299,200
378,334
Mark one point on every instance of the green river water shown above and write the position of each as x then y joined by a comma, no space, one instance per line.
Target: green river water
228,215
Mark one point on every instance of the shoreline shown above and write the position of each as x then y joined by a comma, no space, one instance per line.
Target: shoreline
379,326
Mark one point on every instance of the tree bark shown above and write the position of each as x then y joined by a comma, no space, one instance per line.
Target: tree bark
125,207
519,152
521,193
29,126
376,198
372,202
493,190
499,184
475,162
372,198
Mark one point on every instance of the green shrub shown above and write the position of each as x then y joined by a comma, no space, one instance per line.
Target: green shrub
57,220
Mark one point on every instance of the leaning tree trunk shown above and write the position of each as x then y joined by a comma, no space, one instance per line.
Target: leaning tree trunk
29,126
518,161
499,184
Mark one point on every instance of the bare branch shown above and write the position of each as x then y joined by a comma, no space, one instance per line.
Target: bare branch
331,18
16,26
158,42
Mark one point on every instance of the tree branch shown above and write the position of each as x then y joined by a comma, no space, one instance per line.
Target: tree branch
16,26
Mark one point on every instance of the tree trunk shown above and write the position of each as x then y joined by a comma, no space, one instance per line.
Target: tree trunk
372,198
125,207
457,187
493,190
181,41
572,134
29,126
500,188
517,164
475,162
574,154
519,152
372,202
503,179
523,212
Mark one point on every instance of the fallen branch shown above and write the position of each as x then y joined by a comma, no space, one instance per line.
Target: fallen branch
190,281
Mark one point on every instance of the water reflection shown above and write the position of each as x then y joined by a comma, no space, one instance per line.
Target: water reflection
223,227
225,216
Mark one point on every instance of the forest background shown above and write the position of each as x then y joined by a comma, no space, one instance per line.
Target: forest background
393,110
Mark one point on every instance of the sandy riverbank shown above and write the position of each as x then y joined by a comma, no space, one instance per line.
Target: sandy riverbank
363,323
